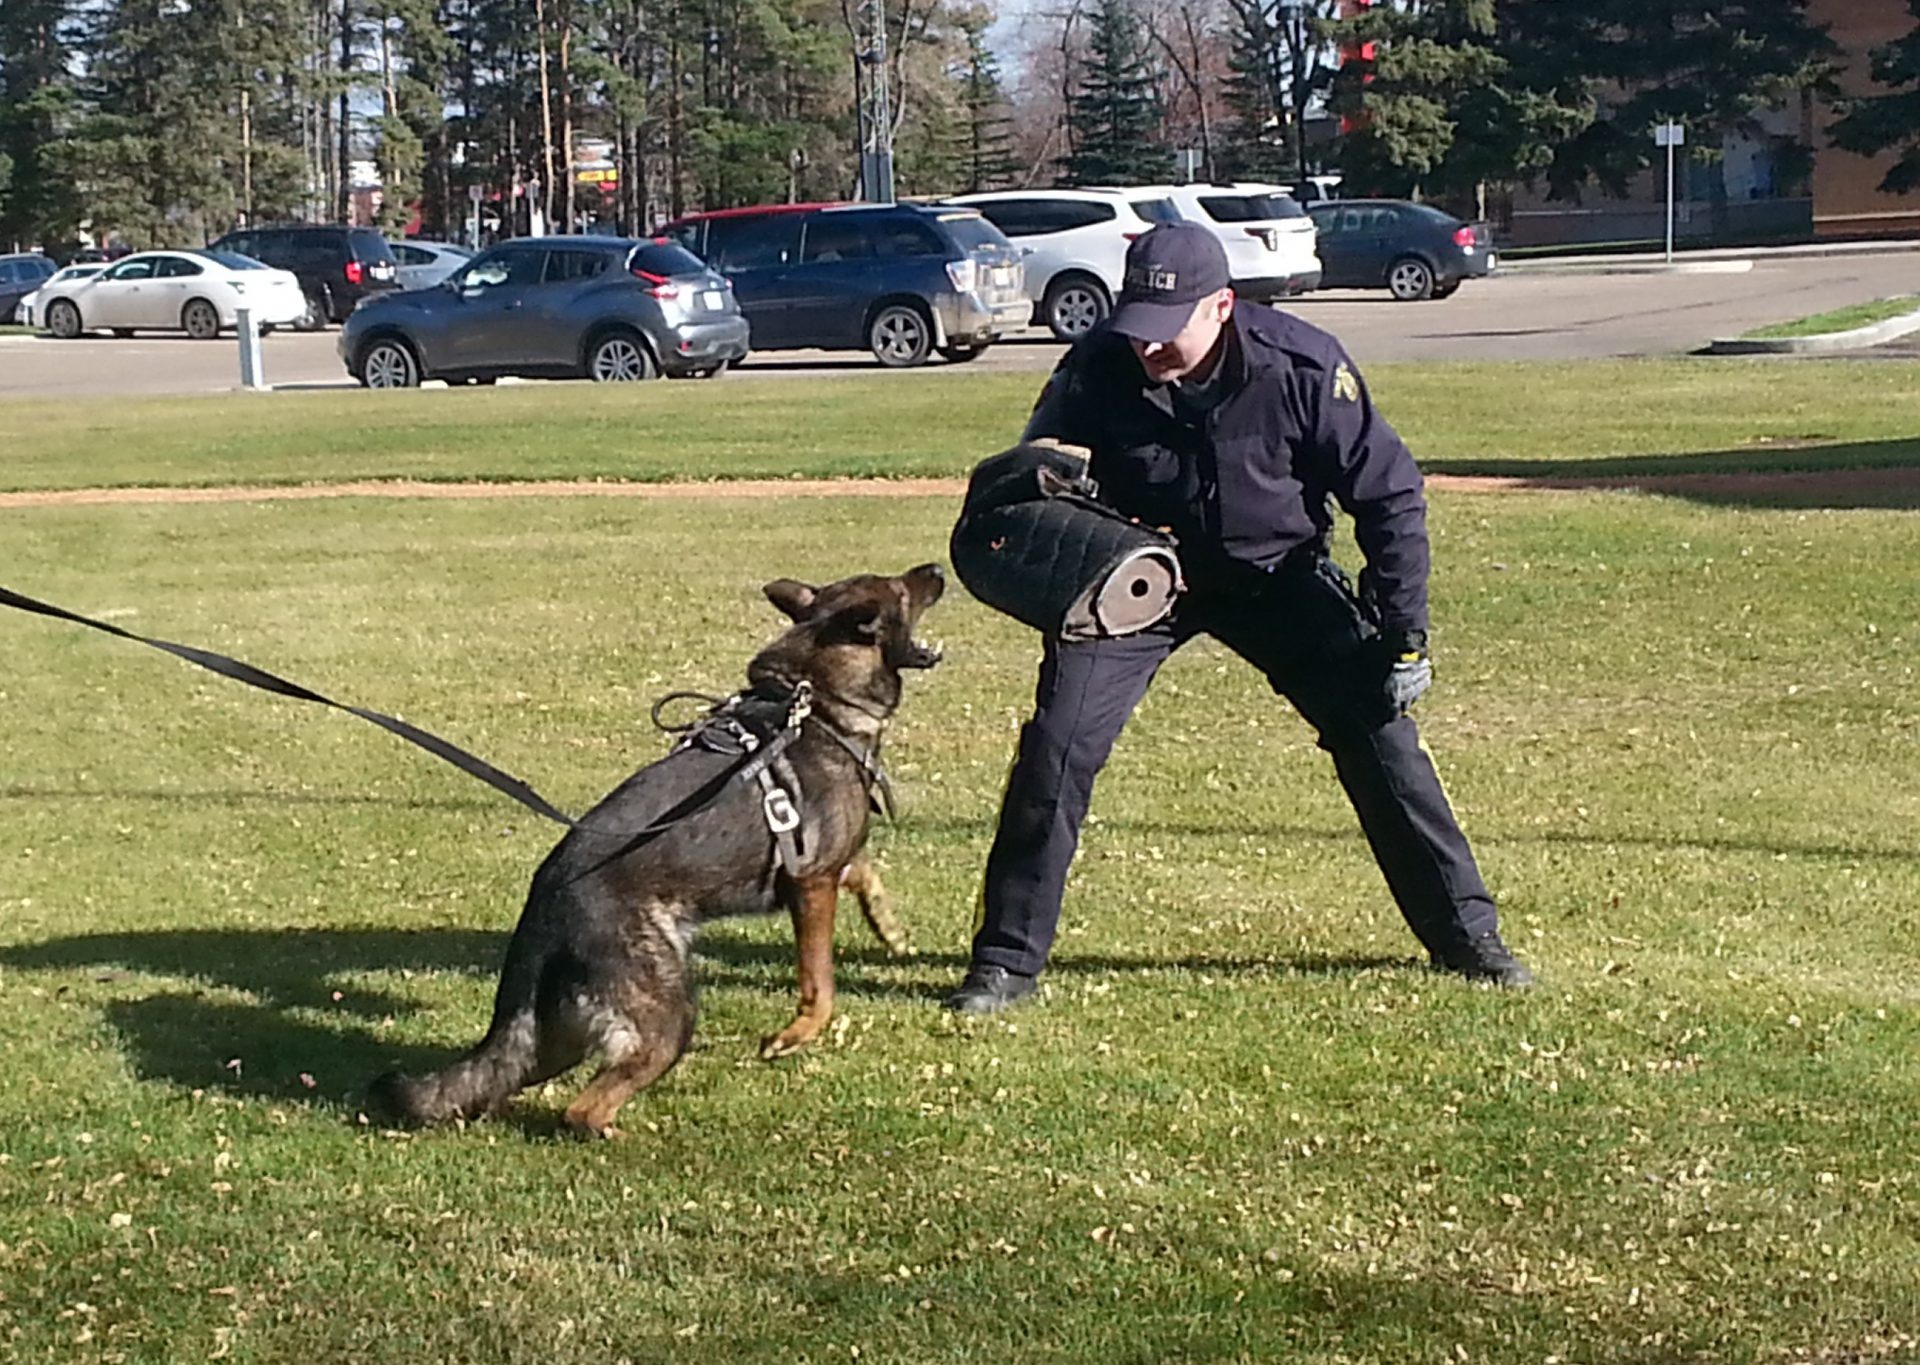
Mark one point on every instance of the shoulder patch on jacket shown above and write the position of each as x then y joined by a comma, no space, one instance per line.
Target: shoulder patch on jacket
1346,385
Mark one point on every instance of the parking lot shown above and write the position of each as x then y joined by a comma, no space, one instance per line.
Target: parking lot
1518,315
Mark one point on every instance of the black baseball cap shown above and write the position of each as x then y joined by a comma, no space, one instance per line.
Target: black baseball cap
1170,268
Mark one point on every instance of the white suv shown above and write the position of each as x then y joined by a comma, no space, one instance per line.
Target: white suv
1074,243
1272,245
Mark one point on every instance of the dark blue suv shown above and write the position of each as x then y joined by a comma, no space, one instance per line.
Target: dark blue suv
899,280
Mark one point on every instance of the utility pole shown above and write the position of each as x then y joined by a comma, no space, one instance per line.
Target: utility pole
876,105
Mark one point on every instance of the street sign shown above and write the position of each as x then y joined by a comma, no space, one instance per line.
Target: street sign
1670,135
475,194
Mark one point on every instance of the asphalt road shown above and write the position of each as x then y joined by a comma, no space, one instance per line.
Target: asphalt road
1514,316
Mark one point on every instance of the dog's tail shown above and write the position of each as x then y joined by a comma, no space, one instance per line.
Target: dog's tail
487,1075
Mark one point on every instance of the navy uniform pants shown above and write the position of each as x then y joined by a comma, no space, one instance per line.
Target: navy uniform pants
1304,629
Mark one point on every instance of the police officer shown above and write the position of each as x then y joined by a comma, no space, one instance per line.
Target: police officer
1237,426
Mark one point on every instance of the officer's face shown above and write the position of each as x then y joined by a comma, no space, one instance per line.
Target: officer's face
1188,355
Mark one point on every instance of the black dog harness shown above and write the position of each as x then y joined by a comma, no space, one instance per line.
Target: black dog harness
759,730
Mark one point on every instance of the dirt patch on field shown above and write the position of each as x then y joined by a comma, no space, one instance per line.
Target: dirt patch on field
1894,487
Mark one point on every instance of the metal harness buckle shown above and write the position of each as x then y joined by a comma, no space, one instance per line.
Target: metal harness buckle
782,818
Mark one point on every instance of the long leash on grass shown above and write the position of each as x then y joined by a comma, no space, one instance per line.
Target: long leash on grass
758,743
502,782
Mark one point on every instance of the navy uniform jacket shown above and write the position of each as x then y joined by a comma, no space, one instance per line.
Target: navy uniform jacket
1253,478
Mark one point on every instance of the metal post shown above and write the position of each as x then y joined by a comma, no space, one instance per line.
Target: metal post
1669,201
252,375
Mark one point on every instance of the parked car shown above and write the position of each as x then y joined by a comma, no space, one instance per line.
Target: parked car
899,280
1413,250
1073,243
1269,239
196,292
20,276
602,308
1316,189
336,266
28,312
424,264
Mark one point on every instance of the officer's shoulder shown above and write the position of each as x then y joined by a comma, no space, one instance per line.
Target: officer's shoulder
1288,339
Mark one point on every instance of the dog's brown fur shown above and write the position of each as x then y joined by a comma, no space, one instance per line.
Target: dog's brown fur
599,962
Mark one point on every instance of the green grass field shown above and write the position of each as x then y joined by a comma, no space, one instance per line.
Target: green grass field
1245,1125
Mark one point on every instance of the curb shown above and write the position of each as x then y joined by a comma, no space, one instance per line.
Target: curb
1679,267
1821,343
1694,256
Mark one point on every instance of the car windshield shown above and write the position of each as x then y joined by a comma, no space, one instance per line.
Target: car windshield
1157,210
77,272
232,260
1434,215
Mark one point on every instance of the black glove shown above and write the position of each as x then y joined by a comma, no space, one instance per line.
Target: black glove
1408,671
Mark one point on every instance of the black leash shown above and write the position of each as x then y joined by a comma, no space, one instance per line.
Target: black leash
504,783
754,760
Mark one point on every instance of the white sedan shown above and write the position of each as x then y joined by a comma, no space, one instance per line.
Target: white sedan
196,292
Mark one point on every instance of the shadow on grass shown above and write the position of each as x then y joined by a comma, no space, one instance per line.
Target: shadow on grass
1485,836
1845,474
295,1043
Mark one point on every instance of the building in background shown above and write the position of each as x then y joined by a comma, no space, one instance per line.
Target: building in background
1847,198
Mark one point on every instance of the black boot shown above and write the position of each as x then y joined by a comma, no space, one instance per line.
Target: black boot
988,990
1484,958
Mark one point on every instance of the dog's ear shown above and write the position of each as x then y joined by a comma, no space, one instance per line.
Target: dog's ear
796,599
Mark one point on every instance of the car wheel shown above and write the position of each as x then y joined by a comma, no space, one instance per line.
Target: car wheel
1410,279
314,317
63,319
960,355
200,320
1074,306
388,363
620,358
900,336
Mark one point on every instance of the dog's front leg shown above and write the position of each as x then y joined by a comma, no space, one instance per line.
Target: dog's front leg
813,905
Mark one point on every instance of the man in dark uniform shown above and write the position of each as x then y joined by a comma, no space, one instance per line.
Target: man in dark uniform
1237,426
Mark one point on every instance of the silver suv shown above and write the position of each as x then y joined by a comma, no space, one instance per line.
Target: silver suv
1074,243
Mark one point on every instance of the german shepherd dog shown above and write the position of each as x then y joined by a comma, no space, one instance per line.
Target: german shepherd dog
599,962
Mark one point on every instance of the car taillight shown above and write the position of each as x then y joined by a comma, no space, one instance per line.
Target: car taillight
658,286
1464,237
964,274
355,272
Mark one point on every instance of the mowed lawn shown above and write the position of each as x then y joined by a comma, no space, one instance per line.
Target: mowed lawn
1245,1124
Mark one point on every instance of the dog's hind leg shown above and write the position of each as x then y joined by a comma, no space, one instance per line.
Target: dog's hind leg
813,904
641,1051
876,905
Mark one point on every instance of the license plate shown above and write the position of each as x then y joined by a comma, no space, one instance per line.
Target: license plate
713,299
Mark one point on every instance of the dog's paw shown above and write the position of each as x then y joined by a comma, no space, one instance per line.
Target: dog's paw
589,1131
786,1042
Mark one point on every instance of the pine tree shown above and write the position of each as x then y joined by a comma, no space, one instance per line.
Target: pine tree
1873,124
1114,114
36,98
988,161
1712,65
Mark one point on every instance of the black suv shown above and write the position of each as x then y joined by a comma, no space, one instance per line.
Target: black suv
899,280
336,266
